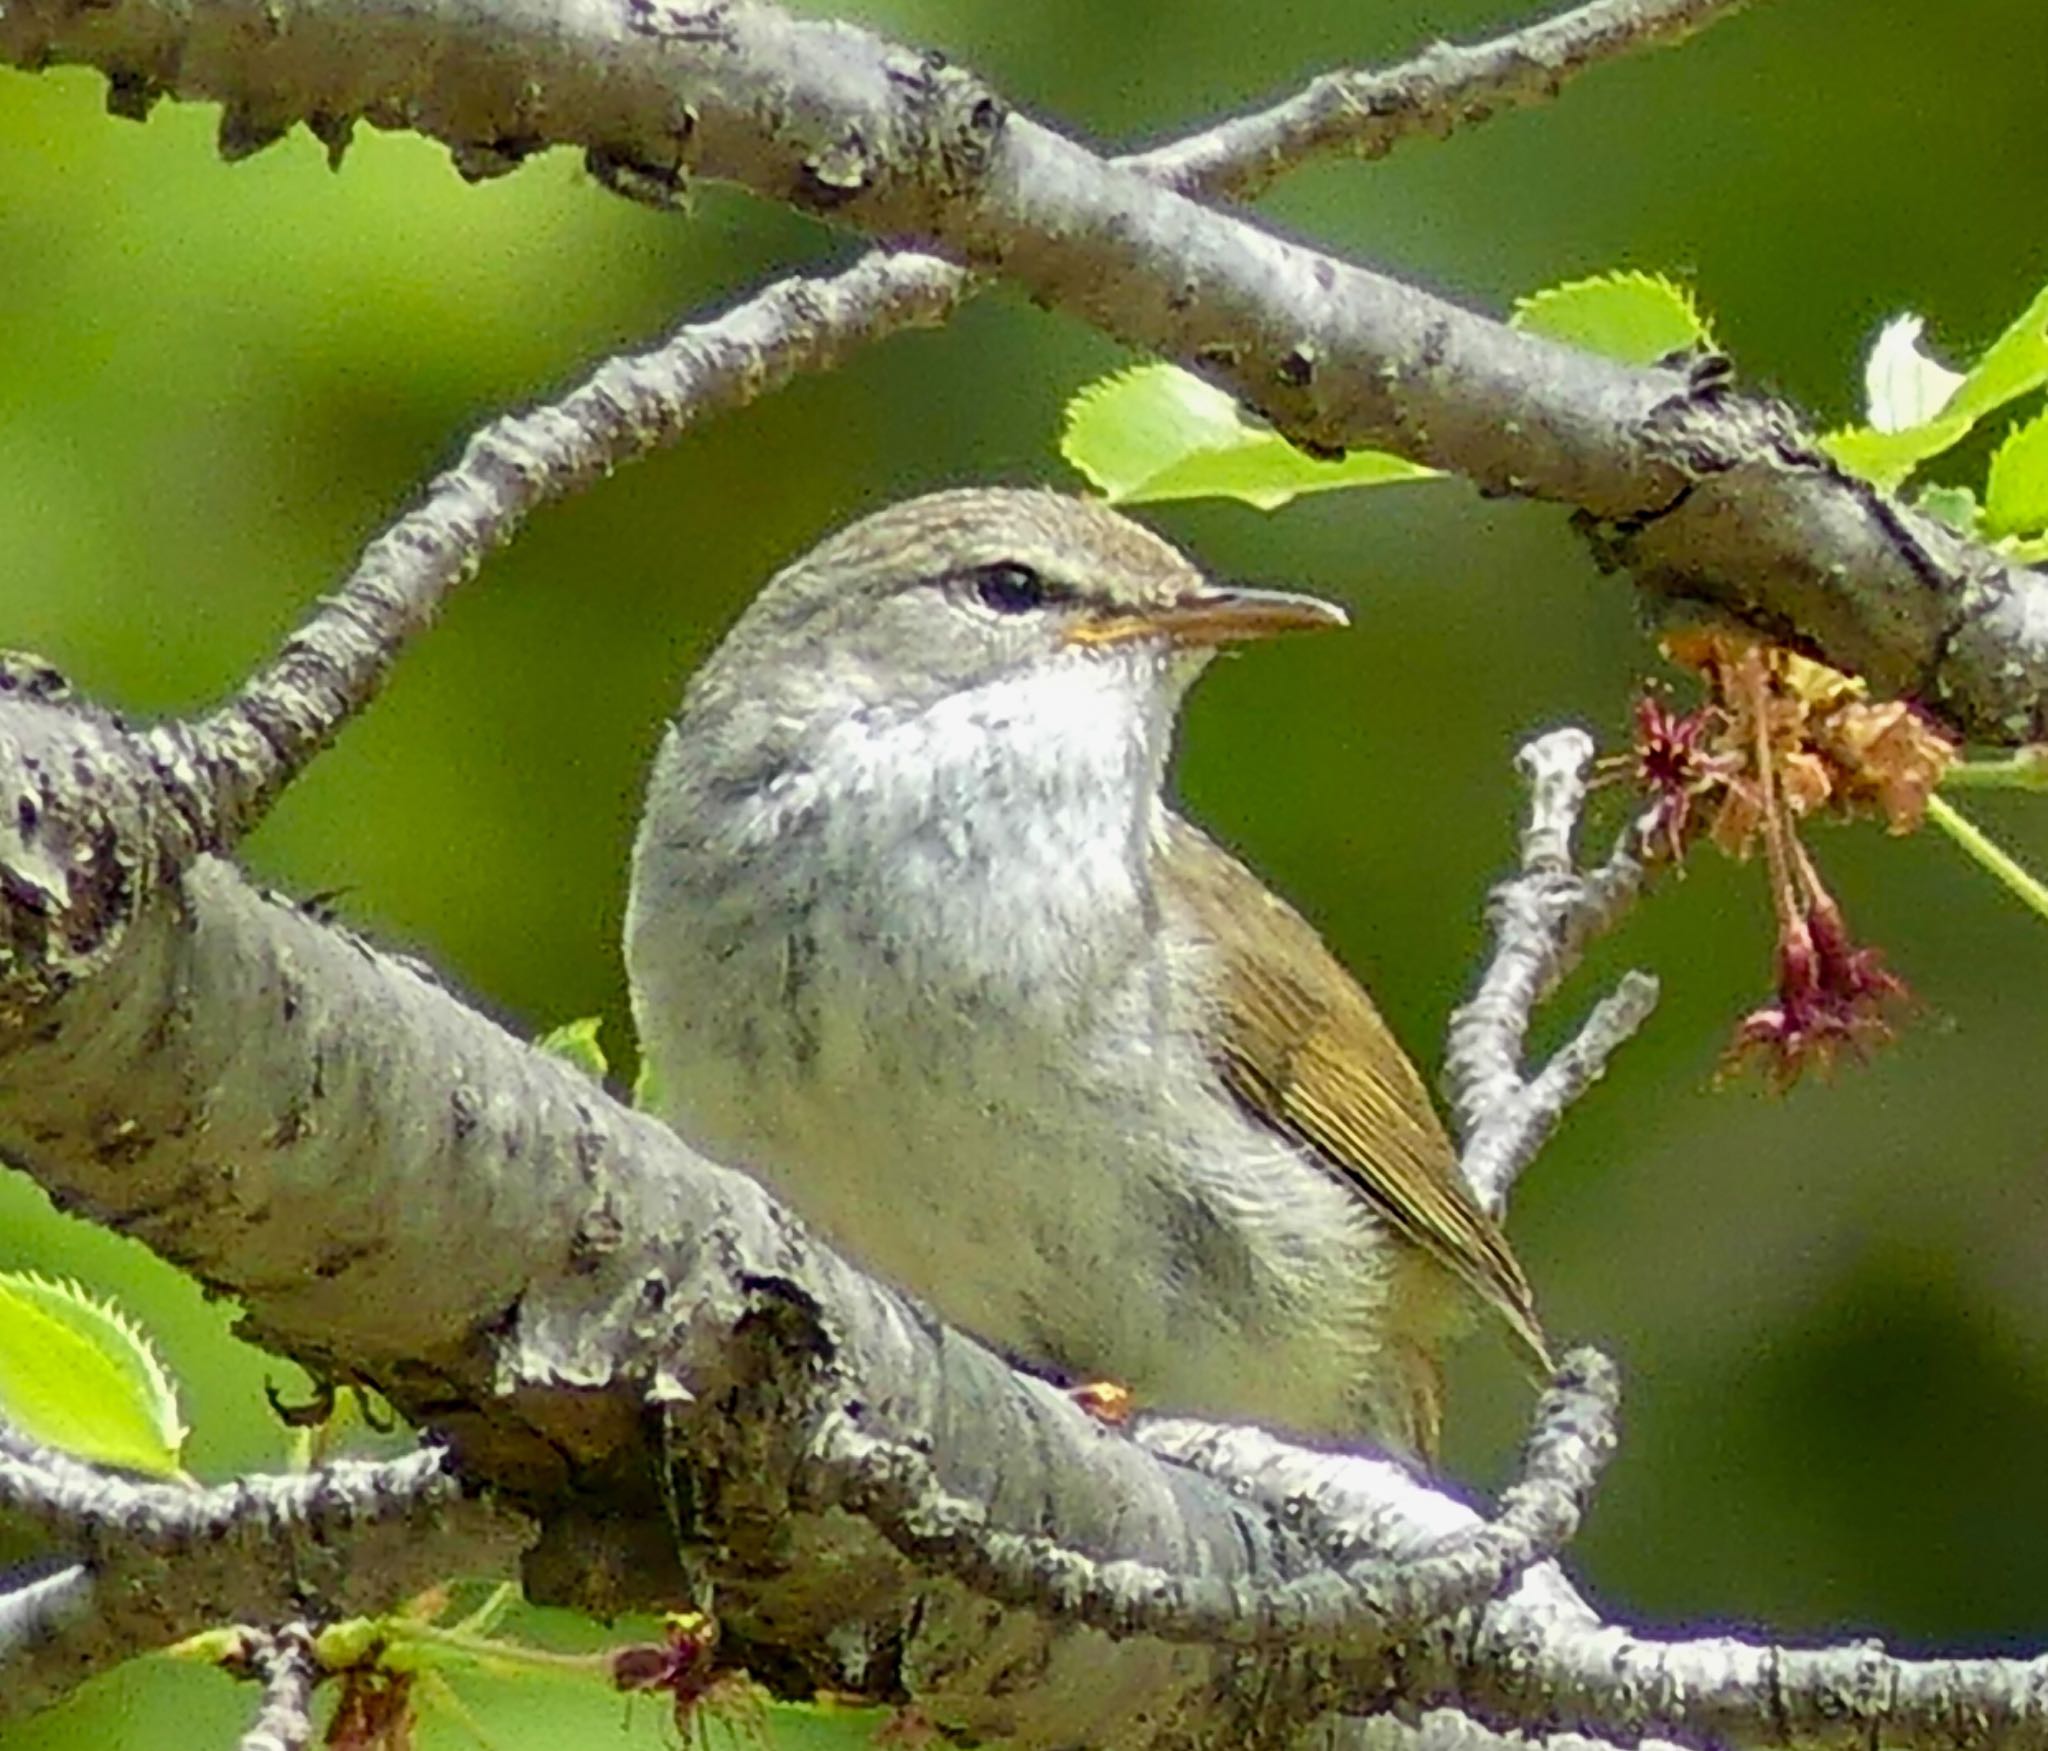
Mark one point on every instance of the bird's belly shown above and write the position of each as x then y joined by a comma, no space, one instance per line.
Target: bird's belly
1211,1270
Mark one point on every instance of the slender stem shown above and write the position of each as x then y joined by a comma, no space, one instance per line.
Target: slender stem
2025,770
1989,854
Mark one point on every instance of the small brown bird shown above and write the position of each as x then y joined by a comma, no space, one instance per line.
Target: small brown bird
915,936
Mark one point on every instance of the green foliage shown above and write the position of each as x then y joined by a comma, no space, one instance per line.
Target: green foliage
1636,317
577,1041
76,1374
221,381
1157,432
2016,489
510,1674
1917,408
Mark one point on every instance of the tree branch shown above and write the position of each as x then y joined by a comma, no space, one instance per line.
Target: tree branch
1365,1600
284,1663
1706,497
227,768
637,1348
531,1266
1542,921
156,1562
1446,87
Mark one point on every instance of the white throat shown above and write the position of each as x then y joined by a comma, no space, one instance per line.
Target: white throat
1002,834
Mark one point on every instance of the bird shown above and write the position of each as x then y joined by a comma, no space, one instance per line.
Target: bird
916,936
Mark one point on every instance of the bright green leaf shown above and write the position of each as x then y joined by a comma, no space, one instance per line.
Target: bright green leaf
1954,505
1887,458
1636,317
77,1375
577,1042
2016,362
1156,432
2016,489
1919,408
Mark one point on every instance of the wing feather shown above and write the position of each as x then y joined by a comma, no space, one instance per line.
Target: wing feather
1303,1049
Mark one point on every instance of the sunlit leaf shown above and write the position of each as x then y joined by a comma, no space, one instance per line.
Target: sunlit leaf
1636,317
2016,489
577,1042
1903,386
1887,458
78,1375
2016,362
1954,505
1900,379
1157,432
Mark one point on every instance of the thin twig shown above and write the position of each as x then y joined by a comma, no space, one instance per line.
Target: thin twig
1446,87
1542,921
32,1611
285,1663
1368,1595
93,1510
154,1561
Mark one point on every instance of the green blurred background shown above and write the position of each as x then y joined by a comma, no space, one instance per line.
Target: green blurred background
216,383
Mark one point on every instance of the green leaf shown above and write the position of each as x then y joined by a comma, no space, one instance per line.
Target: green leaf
1636,317
577,1042
1157,432
78,1375
1954,505
2016,362
1919,408
1887,458
2016,489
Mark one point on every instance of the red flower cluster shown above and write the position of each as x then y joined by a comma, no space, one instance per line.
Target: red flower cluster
1781,740
1832,996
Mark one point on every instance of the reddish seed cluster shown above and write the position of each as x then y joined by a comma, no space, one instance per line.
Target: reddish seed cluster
1832,997
1779,741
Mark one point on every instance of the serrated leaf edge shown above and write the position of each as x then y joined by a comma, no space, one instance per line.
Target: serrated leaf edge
168,1421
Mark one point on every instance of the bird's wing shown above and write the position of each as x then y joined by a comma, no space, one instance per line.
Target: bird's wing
1303,1049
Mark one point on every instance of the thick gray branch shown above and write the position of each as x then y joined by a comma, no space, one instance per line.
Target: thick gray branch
228,767
528,1267
1704,496
399,1192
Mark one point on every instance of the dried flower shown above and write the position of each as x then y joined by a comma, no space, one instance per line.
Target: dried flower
1675,769
375,1710
1832,997
684,1663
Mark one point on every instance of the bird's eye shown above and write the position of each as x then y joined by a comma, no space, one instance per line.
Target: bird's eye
1010,588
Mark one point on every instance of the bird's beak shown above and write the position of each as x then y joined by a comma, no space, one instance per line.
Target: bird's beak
1215,616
